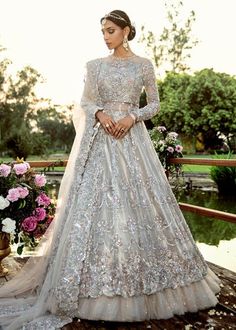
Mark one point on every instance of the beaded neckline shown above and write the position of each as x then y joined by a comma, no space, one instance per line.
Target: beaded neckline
122,58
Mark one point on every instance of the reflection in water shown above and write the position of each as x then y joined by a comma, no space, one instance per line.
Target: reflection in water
207,230
210,199
215,238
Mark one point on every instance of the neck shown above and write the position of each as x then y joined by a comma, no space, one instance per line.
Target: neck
121,52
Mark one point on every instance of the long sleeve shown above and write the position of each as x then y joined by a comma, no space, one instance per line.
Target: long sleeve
153,102
90,99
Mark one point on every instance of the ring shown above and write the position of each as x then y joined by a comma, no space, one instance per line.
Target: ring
107,125
122,130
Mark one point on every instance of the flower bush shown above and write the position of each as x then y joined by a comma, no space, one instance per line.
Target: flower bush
26,210
167,146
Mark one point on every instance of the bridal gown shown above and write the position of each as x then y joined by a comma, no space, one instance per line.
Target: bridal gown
121,249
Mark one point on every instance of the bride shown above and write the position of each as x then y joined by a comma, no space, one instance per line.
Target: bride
119,248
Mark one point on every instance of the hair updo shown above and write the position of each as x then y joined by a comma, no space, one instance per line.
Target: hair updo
121,19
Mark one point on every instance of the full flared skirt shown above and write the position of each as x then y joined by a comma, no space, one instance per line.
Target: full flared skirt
127,253
141,260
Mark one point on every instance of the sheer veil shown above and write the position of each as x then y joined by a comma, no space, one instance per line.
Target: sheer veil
33,298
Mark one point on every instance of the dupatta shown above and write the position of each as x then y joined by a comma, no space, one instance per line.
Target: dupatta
44,293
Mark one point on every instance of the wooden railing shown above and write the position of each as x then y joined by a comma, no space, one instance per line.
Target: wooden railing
204,161
229,217
190,161
211,213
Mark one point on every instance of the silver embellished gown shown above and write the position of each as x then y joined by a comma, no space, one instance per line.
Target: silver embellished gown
141,260
120,248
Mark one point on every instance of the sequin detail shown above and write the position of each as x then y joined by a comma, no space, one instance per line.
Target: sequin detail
127,236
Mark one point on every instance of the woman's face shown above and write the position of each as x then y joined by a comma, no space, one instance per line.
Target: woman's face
113,34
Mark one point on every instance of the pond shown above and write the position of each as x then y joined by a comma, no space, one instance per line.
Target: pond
216,239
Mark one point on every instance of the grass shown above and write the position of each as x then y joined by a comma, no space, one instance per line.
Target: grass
196,168
201,168
187,168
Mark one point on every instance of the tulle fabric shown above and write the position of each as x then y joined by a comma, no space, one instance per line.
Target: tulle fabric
28,300
161,305
27,295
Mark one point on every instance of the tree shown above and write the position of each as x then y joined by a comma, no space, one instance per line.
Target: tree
173,104
211,107
171,50
22,115
17,109
58,127
3,111
203,103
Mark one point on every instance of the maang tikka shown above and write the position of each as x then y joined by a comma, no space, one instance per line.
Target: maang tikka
125,43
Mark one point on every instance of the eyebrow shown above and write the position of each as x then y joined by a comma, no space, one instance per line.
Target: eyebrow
109,27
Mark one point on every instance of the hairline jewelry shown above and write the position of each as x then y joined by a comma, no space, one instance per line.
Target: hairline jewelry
116,16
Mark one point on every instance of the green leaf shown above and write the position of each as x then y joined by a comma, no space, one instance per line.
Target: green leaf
20,249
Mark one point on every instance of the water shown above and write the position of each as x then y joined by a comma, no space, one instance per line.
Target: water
216,239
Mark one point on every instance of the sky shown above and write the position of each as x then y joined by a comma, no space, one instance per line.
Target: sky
57,37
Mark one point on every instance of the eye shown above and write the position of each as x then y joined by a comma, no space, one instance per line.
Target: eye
111,31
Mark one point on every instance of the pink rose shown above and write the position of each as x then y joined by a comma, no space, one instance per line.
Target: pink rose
40,180
20,168
5,170
179,148
40,213
23,192
170,149
29,224
13,195
43,200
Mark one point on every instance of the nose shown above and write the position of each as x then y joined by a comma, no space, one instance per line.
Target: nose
106,36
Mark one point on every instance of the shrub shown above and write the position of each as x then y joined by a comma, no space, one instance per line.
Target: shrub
225,178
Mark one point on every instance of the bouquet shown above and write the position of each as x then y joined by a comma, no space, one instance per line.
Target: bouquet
26,210
167,146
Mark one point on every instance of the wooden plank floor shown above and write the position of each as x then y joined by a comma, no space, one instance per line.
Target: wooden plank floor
220,317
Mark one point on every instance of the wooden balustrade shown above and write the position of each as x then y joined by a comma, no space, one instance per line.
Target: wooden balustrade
51,163
204,161
190,161
230,217
211,213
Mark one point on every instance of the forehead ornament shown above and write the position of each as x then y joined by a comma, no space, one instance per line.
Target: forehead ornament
110,15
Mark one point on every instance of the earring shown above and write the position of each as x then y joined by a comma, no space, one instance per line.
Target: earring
125,43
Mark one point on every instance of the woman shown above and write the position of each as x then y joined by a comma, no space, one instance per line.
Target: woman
119,248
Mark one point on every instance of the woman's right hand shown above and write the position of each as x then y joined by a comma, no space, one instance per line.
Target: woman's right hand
106,121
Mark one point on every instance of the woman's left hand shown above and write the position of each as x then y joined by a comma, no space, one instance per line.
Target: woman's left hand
122,127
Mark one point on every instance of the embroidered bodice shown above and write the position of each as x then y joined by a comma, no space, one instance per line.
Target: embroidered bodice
120,81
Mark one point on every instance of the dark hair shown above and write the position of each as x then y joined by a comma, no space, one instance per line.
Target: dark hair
121,19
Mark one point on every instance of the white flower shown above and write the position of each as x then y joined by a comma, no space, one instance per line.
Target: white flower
188,327
212,312
173,135
161,129
4,203
9,225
